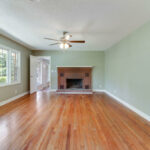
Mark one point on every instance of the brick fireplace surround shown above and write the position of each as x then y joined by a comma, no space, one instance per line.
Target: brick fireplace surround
74,79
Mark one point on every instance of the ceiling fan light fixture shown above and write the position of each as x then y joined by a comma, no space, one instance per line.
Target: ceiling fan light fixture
64,46
67,37
64,42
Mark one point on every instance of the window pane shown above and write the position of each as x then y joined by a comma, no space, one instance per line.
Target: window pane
14,67
3,66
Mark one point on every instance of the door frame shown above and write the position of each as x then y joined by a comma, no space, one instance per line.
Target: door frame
49,69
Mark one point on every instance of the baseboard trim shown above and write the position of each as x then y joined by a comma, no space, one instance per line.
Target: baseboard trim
13,98
52,90
98,90
139,112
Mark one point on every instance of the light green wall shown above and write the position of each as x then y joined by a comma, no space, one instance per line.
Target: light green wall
9,91
127,69
78,58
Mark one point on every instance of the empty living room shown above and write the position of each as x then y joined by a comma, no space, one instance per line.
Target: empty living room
74,74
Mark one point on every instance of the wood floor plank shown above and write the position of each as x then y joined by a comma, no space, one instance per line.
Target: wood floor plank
51,121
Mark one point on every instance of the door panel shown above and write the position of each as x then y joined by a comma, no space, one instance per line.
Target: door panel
33,83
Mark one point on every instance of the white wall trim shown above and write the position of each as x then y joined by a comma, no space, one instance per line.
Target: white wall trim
13,98
52,90
98,90
139,112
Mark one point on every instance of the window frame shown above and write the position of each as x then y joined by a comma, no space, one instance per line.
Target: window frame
10,50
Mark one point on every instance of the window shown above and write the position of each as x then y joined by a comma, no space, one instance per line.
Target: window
3,66
9,67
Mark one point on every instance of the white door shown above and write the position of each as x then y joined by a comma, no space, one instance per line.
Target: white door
33,82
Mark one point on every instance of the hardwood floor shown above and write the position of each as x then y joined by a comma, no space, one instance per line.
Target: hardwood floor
49,121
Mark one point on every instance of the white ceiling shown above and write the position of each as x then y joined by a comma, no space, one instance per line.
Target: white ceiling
102,23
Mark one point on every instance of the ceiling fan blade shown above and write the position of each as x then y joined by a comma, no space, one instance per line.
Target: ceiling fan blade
77,41
53,44
51,39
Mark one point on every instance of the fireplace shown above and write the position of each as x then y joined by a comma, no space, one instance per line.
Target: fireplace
74,83
74,79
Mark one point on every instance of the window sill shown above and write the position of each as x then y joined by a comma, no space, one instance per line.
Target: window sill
5,85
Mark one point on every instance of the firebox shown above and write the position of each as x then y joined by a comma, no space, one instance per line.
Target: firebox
74,83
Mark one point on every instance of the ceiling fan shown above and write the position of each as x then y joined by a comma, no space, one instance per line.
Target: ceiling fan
64,42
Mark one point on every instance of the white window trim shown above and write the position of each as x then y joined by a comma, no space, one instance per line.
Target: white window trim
9,84
19,71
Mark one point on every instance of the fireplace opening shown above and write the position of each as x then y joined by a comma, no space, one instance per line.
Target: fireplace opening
74,83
